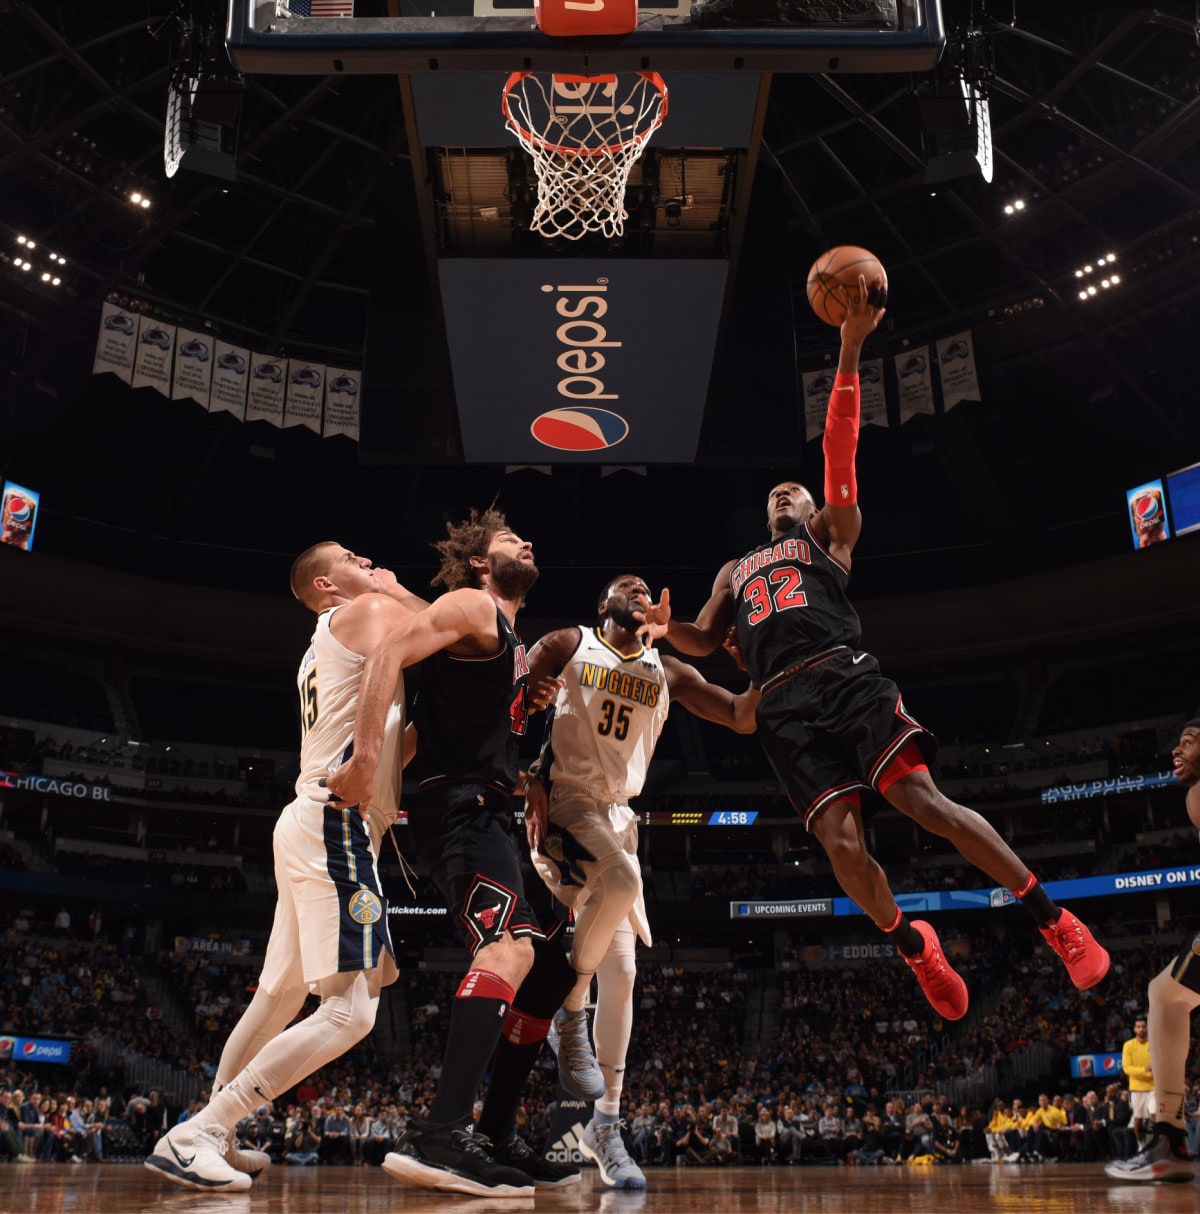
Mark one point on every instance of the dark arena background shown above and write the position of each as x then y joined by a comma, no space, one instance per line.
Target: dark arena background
346,237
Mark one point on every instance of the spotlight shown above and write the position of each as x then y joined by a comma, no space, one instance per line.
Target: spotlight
46,276
21,240
1019,204
1087,269
1008,210
1091,290
1083,295
56,282
135,198
1114,278
25,265
1104,283
1078,273
145,203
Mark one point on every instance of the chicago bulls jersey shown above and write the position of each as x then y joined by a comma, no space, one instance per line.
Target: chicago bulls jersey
790,601
328,679
470,715
608,716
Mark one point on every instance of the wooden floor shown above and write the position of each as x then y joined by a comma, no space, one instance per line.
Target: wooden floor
1063,1189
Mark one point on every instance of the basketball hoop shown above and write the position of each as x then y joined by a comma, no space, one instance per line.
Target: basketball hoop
585,133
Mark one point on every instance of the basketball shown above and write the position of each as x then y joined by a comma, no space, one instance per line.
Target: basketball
836,268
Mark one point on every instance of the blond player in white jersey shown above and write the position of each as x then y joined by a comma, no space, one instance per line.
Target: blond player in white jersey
330,934
583,836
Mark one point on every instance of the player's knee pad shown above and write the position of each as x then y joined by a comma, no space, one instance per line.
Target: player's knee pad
620,883
547,983
1185,972
350,1008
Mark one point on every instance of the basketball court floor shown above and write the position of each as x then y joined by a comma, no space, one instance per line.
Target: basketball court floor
1063,1189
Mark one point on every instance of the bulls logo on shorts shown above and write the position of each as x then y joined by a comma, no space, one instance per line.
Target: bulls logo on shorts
365,907
487,910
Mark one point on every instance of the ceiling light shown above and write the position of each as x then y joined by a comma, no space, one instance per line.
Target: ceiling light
55,282
1078,273
1091,290
145,203
25,265
46,276
21,240
1105,283
135,198
1114,278
1008,210
1087,269
1083,295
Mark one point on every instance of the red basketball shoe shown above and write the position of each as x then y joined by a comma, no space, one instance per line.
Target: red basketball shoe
945,990
1086,961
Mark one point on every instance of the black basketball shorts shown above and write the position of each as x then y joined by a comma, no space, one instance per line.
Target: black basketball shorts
464,840
832,728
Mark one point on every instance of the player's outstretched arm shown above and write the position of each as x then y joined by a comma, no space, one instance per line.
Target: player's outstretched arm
454,617
840,517
688,687
700,637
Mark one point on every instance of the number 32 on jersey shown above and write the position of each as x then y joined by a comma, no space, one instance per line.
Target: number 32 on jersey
778,590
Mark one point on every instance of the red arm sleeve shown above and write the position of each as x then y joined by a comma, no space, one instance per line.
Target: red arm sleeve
841,441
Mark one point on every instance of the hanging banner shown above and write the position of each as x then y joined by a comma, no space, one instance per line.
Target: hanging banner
228,394
305,391
341,402
117,342
152,362
872,394
956,364
817,386
193,367
268,377
916,387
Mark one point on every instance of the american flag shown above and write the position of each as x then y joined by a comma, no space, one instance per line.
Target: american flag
321,8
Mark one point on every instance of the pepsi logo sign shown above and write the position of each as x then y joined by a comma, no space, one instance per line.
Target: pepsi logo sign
1147,507
30,1047
582,428
20,510
6,1047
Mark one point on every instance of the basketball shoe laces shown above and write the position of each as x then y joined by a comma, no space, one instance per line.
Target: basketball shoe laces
612,1146
934,973
573,1041
473,1144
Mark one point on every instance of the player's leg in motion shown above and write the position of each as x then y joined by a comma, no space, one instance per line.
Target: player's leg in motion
915,795
1174,995
602,1142
193,1153
838,828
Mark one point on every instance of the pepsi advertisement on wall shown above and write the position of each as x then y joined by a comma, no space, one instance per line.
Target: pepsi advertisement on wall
34,1049
1095,1066
18,516
1147,514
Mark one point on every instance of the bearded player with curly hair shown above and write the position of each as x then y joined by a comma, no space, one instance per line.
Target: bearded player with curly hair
469,716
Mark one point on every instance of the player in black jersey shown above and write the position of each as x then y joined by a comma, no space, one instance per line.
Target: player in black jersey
469,715
830,722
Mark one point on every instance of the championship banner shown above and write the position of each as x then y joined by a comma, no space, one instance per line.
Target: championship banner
152,362
341,402
268,377
228,393
873,410
116,343
817,386
193,367
956,363
305,391
916,387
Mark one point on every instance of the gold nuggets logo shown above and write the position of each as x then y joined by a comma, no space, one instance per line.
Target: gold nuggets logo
365,907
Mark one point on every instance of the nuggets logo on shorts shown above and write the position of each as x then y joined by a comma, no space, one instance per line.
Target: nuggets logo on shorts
568,855
365,907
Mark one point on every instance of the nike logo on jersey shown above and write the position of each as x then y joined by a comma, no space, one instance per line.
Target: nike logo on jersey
855,661
845,388
183,1163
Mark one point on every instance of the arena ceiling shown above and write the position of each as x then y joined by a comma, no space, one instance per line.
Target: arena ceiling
1095,112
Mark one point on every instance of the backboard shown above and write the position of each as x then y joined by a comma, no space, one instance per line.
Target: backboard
851,36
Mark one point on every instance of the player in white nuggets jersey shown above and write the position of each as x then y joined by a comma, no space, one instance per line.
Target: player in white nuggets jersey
330,933
606,722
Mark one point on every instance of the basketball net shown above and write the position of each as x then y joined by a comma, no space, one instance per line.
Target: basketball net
585,133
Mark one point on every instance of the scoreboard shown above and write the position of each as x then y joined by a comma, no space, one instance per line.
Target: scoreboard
670,817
